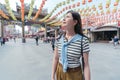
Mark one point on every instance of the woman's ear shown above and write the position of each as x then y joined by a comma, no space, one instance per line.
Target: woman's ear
75,21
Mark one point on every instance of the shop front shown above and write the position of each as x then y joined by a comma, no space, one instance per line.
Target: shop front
104,33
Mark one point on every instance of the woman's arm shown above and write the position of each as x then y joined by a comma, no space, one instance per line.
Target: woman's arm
86,66
55,62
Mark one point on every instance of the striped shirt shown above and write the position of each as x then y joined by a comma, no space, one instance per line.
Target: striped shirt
74,51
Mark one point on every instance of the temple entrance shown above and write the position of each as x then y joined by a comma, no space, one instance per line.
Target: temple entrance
104,35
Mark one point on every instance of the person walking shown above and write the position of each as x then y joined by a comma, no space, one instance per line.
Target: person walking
69,49
115,41
53,43
1,41
36,39
14,39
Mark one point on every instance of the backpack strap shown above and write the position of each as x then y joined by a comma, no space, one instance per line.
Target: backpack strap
82,58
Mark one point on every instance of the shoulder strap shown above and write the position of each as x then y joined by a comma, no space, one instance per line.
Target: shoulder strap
82,52
82,58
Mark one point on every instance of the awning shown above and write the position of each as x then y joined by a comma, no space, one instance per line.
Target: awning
104,29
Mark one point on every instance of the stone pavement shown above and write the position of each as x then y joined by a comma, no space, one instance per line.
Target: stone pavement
26,61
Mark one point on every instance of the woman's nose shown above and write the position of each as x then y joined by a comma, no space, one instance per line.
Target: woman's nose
63,19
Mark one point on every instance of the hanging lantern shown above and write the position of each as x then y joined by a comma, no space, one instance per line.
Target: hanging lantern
93,7
108,11
108,3
63,3
68,1
66,7
69,6
43,2
96,13
60,4
63,9
78,3
102,12
100,6
114,10
83,2
116,2
73,6
22,1
89,0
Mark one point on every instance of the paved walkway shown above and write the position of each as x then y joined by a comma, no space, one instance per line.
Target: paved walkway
26,61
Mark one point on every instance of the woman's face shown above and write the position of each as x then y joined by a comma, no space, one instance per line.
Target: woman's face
68,21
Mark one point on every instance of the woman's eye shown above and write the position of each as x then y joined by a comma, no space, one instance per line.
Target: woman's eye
67,16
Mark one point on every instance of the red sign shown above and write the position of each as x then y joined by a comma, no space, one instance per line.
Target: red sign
119,23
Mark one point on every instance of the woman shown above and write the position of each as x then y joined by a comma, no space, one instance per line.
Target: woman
66,60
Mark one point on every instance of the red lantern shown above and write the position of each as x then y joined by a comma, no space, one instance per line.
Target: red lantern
73,6
22,1
116,3
89,0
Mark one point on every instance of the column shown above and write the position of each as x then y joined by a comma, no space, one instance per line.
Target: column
1,29
23,33
118,32
56,33
45,31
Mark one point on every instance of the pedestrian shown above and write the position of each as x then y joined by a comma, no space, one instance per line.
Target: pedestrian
1,40
53,43
68,51
4,40
14,39
115,41
36,39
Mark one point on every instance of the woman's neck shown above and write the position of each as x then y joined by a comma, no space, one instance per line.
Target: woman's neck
69,35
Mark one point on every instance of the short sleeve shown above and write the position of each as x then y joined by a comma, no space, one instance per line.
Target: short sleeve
85,44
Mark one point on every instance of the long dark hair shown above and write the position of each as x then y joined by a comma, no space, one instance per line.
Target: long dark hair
78,26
